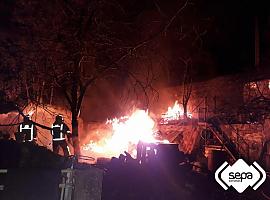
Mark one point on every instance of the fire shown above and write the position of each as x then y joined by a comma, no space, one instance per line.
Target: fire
174,113
127,131
139,126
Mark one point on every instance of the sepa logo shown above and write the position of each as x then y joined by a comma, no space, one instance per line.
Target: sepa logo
240,175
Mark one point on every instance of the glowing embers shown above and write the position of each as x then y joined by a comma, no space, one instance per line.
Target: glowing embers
173,114
253,85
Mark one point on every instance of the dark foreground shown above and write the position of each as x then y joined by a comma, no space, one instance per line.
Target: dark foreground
34,174
165,182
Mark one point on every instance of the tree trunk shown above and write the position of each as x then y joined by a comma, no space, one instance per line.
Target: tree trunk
75,110
185,110
40,98
27,92
75,134
51,96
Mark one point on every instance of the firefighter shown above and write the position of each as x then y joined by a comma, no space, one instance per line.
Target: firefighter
27,131
59,132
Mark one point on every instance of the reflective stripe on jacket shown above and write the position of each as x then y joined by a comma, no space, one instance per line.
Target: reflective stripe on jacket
28,131
57,132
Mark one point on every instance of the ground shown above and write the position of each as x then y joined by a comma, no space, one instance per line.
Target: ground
35,174
162,181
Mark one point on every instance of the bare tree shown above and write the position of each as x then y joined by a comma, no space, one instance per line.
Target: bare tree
186,85
69,46
74,46
21,71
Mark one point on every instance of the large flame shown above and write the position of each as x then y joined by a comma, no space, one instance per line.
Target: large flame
126,133
174,113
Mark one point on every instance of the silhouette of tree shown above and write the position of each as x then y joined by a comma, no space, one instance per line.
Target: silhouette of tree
67,46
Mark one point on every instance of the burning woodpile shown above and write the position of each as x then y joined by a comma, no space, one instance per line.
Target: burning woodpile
124,133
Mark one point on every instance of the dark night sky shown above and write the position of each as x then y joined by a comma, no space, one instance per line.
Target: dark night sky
228,44
226,48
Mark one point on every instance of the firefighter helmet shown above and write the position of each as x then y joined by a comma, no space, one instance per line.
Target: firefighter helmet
59,118
26,118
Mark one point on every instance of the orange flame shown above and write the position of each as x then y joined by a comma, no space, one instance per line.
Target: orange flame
174,113
127,131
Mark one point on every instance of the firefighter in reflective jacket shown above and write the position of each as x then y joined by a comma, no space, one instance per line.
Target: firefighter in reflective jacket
27,131
59,132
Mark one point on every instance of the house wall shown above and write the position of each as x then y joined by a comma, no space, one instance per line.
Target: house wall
219,94
226,94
